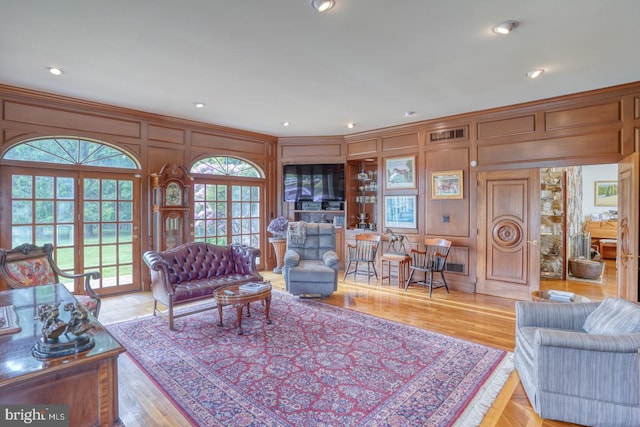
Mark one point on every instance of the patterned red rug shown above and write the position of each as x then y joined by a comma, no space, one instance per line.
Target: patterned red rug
315,365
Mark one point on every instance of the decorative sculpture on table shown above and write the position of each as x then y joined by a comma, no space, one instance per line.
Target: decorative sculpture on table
60,338
79,322
52,326
395,240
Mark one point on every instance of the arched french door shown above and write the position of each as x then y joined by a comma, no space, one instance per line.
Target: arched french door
83,197
228,197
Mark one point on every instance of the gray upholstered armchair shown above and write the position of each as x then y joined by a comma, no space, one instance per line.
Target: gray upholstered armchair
580,363
310,262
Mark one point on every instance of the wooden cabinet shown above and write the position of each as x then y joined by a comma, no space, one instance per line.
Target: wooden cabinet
553,239
362,195
366,199
86,381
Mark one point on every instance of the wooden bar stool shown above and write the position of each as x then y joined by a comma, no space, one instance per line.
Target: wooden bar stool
402,263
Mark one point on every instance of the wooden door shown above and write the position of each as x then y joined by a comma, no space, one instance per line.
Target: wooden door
627,256
508,233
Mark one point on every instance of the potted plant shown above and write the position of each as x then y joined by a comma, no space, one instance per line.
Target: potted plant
278,227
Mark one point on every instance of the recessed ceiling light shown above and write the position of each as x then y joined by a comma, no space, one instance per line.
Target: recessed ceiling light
55,70
286,124
322,5
535,73
409,113
351,125
505,27
199,104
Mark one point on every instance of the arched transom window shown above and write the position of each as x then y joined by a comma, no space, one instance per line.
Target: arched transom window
225,165
70,151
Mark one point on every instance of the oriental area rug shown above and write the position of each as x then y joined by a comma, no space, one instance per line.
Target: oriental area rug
315,365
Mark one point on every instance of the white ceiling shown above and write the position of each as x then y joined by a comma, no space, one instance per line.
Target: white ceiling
258,63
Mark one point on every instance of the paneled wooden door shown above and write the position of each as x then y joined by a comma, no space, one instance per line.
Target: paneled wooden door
628,200
508,233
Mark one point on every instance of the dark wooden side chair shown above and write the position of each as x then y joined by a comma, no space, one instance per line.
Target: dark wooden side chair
364,251
432,260
27,265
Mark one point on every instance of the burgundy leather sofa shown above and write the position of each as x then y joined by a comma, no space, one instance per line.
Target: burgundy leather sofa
192,271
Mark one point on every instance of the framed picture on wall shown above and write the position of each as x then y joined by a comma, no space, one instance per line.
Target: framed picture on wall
606,193
400,172
447,185
400,212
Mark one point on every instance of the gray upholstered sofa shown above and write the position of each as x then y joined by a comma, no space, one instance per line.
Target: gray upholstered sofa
580,363
310,261
192,271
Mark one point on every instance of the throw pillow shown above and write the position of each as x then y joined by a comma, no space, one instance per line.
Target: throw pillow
614,316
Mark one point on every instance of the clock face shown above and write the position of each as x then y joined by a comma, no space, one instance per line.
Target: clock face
173,195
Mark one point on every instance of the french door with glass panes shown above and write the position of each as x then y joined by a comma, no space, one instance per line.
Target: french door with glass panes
227,213
90,218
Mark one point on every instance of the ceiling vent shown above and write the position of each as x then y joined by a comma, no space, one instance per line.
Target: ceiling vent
449,134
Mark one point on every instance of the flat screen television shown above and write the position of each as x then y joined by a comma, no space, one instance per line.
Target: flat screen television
314,182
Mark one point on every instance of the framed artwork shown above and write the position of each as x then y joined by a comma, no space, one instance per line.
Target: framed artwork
400,172
400,212
606,193
447,185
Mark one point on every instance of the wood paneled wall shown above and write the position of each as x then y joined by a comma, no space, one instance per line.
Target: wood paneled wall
601,126
595,127
152,139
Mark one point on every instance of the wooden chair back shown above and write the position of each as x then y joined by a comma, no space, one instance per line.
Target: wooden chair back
433,257
28,265
366,247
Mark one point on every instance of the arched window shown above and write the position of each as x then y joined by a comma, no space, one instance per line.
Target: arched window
70,151
225,165
227,194
86,204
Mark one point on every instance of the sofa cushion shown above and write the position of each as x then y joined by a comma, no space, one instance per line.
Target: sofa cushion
614,316
195,289
312,271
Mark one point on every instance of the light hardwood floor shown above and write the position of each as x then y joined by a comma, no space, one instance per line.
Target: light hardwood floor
478,318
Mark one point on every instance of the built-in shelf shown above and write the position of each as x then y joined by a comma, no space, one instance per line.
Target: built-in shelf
552,224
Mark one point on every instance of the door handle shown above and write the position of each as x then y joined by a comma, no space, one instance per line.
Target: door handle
533,242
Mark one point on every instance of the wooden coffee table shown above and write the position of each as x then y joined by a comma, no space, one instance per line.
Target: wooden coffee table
232,295
543,296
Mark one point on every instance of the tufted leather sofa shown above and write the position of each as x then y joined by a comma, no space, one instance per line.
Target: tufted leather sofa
192,271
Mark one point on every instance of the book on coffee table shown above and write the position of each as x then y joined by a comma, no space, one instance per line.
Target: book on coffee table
561,296
253,287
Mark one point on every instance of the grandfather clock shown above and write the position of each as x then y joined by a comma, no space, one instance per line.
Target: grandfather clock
171,207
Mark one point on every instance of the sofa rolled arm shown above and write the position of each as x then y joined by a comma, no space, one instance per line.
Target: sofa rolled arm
245,259
553,315
154,261
629,343
330,259
159,271
291,258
